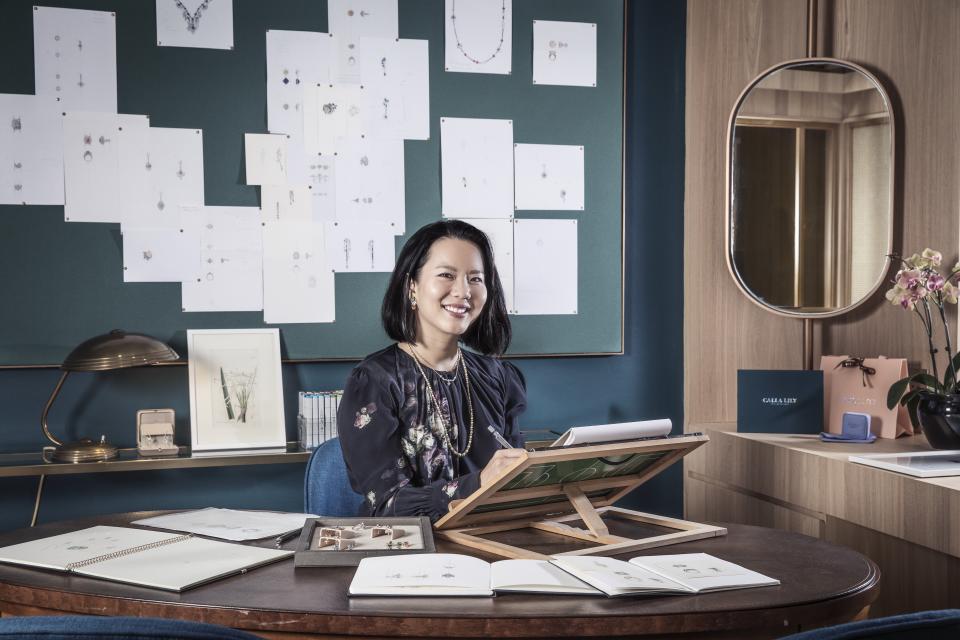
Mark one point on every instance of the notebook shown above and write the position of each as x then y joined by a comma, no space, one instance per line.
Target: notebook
613,432
157,559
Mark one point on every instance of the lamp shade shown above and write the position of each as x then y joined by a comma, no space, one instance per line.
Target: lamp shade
118,350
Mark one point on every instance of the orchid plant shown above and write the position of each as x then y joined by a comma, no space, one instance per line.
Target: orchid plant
920,287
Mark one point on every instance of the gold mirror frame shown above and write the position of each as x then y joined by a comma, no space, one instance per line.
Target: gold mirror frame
728,191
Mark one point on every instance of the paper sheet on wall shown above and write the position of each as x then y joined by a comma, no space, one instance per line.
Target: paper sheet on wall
500,234
296,61
548,176
565,53
370,183
354,247
298,285
332,113
161,255
91,152
32,145
351,20
398,71
171,167
230,274
266,158
545,263
476,163
204,24
75,58
478,36
285,203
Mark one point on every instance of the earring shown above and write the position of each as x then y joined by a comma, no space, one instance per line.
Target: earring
413,302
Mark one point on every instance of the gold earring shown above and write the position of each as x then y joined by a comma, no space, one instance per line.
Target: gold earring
413,302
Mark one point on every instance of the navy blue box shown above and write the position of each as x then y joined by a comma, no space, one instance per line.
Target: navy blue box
779,401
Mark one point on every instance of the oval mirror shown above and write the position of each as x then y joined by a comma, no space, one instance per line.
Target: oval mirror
810,187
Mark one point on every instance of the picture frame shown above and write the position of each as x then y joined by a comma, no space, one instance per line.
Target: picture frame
416,529
236,390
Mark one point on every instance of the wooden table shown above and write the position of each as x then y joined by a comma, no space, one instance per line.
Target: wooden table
822,584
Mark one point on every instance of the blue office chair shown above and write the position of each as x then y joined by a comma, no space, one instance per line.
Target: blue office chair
326,487
114,628
920,625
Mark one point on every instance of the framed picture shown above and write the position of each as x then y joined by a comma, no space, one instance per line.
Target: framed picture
344,542
236,389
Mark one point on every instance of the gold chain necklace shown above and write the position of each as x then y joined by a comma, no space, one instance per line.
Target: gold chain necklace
447,427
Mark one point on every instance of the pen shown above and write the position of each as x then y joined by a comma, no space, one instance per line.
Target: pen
289,535
499,438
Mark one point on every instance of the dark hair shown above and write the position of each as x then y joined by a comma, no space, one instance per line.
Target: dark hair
490,333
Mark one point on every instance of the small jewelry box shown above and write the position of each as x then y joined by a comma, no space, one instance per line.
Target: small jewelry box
155,432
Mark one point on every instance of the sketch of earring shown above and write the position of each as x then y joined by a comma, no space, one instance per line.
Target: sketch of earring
329,108
291,196
280,161
87,138
87,155
464,179
383,65
17,187
160,204
17,165
16,124
80,83
79,45
552,56
103,140
297,74
286,76
563,195
543,171
364,161
148,166
346,253
386,108
370,246
180,172
147,255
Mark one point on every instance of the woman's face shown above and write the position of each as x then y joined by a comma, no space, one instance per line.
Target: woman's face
450,290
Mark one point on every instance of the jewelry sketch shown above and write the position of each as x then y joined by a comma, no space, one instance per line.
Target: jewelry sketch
499,47
192,19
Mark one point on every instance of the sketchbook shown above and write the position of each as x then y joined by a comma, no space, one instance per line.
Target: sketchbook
156,559
229,524
614,432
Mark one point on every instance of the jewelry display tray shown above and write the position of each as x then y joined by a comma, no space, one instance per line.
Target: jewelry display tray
306,556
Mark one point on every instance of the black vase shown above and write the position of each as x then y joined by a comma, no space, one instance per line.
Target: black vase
940,419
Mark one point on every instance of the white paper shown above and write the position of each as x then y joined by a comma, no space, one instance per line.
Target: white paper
614,431
548,177
171,167
425,574
31,136
476,163
75,58
91,152
370,183
545,259
565,53
349,21
204,24
297,284
296,61
266,156
354,247
230,274
500,234
332,114
285,203
398,70
537,576
703,572
229,524
160,255
478,36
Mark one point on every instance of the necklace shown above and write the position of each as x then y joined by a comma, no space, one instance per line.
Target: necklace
446,428
193,19
456,35
439,374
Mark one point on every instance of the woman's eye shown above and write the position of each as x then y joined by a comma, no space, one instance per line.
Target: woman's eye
477,280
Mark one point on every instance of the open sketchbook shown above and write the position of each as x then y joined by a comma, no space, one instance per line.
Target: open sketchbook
444,574
137,556
614,432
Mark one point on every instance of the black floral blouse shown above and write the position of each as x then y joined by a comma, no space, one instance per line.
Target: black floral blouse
396,455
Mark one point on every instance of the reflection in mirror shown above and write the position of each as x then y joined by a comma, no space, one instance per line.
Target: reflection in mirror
810,188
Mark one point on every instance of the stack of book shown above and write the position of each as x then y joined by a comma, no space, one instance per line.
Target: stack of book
317,417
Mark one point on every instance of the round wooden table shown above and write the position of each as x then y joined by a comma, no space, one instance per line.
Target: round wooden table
821,584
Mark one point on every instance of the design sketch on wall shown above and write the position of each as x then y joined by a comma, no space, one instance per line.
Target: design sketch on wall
33,171
549,177
350,22
565,53
478,36
203,24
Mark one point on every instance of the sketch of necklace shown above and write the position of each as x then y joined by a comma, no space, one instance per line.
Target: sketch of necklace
193,19
456,34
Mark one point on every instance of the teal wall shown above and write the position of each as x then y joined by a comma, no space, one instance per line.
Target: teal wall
646,382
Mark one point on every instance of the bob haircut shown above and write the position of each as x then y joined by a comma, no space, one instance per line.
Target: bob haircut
490,333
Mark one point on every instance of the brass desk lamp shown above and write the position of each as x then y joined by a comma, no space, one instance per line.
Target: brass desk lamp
115,350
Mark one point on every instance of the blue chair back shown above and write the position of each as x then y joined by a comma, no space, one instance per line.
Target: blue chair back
326,486
114,628
920,625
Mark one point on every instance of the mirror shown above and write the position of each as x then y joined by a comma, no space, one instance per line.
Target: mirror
810,187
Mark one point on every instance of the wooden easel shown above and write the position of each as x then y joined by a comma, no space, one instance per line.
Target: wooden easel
546,489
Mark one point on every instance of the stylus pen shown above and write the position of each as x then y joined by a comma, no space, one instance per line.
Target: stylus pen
499,438
289,535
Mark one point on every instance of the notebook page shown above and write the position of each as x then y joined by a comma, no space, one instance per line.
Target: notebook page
56,552
183,564
616,577
703,572
535,576
422,574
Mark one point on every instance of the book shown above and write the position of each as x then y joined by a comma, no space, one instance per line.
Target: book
614,432
685,573
451,574
156,559
445,574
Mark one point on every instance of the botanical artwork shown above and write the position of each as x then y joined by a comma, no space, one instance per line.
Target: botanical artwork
235,384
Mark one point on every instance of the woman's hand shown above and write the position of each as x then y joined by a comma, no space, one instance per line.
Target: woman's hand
500,462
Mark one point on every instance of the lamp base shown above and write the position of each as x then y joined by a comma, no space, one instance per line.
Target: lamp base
85,450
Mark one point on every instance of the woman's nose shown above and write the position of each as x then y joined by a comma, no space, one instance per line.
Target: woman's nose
461,288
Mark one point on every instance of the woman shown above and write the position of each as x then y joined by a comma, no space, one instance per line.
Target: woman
413,420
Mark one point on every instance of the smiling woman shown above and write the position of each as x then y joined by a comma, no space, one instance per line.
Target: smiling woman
414,417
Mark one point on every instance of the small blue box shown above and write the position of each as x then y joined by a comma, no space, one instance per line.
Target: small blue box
776,401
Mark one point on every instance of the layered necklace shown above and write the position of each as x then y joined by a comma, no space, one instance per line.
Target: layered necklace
193,19
456,35
447,427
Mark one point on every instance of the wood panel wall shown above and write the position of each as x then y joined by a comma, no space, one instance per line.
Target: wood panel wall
912,46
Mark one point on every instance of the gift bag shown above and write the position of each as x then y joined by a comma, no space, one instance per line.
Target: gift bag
861,385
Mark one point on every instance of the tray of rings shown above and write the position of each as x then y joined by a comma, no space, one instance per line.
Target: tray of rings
343,542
